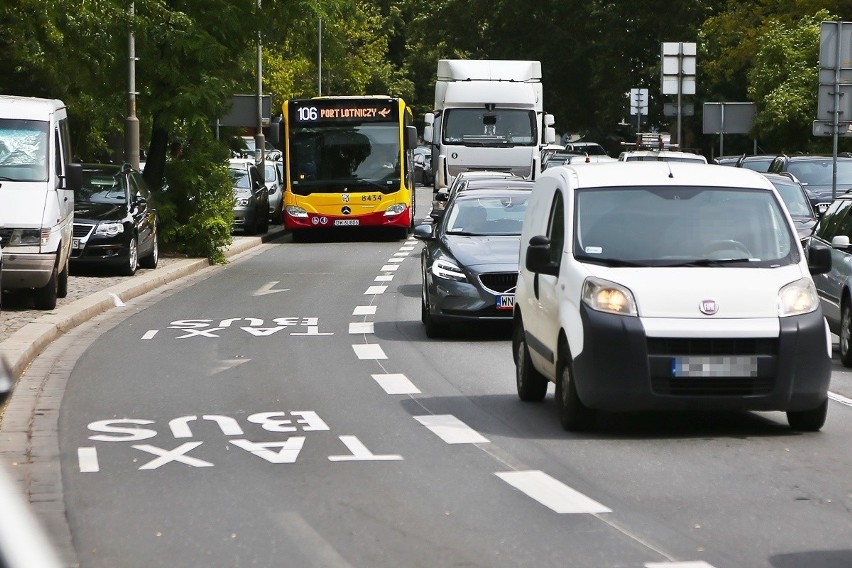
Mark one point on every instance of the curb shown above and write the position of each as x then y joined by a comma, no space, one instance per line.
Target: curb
24,345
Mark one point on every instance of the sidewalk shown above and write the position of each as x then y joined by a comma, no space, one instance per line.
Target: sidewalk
24,333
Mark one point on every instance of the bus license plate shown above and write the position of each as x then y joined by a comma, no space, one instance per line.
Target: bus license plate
345,222
506,302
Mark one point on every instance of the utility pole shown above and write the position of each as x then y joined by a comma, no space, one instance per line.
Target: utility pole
259,140
131,123
319,60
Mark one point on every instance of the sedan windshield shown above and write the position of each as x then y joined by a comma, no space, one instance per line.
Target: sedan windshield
487,216
820,172
102,187
682,226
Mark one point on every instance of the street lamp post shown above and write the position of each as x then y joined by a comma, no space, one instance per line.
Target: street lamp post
259,140
131,123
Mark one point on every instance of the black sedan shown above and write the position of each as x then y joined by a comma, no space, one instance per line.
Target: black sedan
470,259
114,223
796,200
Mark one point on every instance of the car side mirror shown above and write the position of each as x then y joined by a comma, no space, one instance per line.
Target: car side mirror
819,258
538,257
424,232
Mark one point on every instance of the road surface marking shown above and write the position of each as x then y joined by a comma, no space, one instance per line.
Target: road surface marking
840,398
396,383
400,254
687,564
390,268
383,278
408,248
150,334
364,311
551,492
88,459
375,290
177,454
369,351
268,289
360,452
451,429
361,327
397,260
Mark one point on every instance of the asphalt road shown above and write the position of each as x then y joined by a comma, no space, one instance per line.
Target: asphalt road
288,410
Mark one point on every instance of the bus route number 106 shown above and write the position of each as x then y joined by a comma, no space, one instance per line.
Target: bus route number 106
308,113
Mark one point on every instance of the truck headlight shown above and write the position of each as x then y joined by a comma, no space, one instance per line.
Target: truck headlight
109,229
395,209
294,211
796,298
605,296
448,270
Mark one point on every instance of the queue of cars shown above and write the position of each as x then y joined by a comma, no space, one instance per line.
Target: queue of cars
717,288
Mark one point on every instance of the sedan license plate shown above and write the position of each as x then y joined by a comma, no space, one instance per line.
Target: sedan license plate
506,302
76,244
698,366
345,222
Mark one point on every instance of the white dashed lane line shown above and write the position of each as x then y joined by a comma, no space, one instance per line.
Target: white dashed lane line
364,311
375,290
383,278
688,564
451,430
551,492
369,351
396,383
390,268
365,327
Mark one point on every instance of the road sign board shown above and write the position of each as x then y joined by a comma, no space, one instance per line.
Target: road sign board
829,33
826,128
670,109
678,68
728,118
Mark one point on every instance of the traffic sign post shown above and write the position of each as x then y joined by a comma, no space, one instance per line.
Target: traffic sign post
638,105
834,101
728,118
678,74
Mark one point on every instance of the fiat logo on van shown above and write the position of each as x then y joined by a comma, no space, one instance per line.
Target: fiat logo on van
708,307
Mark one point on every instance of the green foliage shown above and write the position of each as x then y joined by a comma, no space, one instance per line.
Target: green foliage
196,207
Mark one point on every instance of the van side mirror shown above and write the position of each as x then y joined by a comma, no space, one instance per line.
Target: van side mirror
819,260
538,257
73,176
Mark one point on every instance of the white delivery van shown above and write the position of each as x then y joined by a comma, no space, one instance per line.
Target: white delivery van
37,184
668,286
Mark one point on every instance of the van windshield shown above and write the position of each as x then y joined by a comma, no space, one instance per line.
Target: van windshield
682,226
23,150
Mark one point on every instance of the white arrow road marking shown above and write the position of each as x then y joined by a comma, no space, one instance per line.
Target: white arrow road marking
226,364
360,452
372,351
396,383
551,492
268,289
451,430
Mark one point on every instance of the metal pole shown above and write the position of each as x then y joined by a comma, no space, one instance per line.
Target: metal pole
679,91
722,133
837,111
131,123
259,140
319,60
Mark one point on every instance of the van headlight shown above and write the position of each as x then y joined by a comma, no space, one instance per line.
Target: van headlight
605,296
109,229
396,209
448,270
796,298
294,211
29,237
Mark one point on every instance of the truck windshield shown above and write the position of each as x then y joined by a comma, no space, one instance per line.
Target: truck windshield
682,226
23,150
337,158
498,127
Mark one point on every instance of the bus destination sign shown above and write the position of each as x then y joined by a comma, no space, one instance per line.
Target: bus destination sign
315,111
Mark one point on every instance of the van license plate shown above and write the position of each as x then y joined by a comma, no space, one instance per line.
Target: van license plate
506,302
697,366
345,222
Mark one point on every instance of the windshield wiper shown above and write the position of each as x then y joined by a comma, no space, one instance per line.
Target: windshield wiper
464,234
614,262
708,262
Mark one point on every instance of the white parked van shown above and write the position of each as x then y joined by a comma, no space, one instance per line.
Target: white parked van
668,286
37,184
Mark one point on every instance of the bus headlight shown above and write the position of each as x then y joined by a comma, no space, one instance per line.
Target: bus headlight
294,211
396,209
799,297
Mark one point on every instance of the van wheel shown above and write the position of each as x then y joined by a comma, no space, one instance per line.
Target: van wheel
809,420
846,334
62,285
532,385
44,298
132,262
573,414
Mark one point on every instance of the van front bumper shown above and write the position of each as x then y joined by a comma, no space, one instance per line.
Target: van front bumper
621,369
27,270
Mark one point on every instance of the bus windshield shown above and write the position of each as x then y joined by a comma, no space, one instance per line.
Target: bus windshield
332,158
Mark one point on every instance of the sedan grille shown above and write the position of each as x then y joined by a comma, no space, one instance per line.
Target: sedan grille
81,230
499,282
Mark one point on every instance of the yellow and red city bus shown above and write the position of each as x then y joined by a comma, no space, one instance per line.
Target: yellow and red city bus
349,162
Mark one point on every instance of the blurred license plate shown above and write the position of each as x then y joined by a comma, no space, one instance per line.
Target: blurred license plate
345,222
714,366
76,244
506,302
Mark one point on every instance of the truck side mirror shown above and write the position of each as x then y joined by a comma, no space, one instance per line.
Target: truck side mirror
427,134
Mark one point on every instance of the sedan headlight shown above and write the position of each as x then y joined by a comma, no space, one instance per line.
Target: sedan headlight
796,298
109,229
396,209
448,270
243,201
605,296
294,211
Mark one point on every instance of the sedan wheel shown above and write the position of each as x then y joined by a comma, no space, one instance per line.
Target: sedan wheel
153,258
846,334
132,263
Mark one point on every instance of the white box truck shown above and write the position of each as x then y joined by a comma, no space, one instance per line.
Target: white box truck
37,185
489,115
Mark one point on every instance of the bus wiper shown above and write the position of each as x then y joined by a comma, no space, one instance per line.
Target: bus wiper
614,262
707,262
372,183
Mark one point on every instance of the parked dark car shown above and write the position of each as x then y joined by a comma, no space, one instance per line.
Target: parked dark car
796,200
114,222
815,174
758,162
423,165
251,198
469,261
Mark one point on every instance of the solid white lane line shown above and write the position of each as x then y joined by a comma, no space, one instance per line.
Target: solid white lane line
840,398
361,327
551,492
369,351
372,290
88,459
364,311
390,268
383,278
396,383
687,564
451,430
